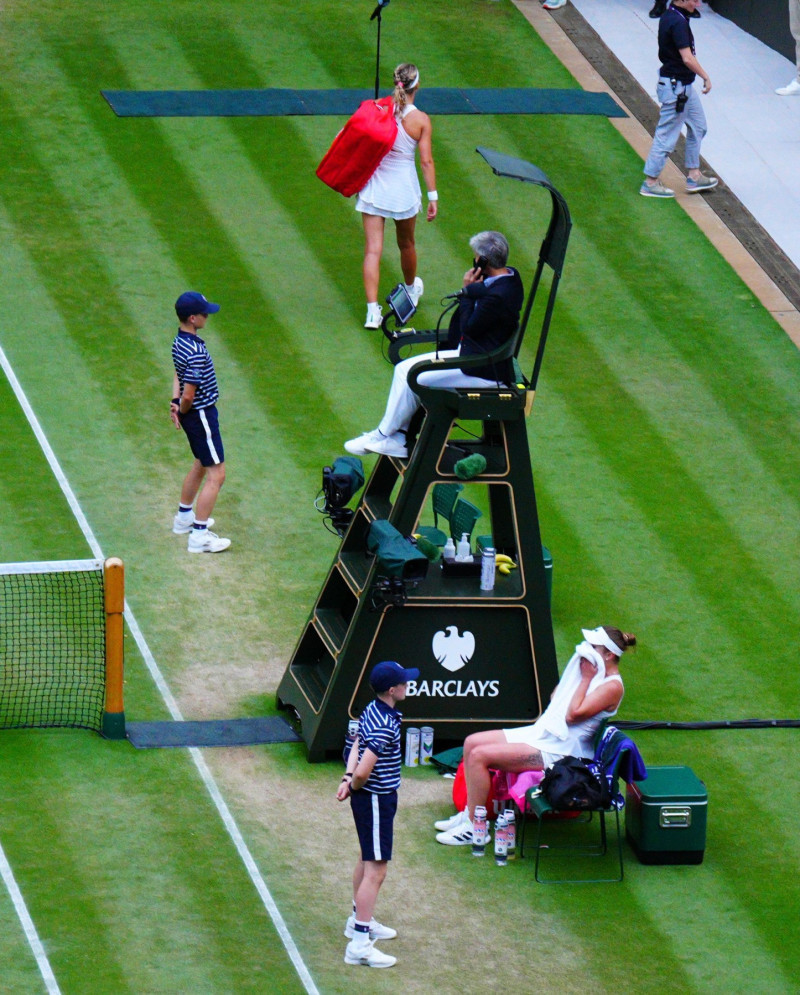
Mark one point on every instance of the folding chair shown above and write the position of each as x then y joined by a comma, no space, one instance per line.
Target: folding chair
463,519
536,804
443,498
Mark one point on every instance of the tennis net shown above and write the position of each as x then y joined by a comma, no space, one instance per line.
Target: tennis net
54,643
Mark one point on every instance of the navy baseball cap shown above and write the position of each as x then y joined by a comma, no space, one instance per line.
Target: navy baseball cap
193,303
385,675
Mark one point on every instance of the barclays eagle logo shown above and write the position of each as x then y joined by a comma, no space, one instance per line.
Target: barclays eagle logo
451,650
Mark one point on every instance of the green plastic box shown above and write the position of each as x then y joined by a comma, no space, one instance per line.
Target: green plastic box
665,816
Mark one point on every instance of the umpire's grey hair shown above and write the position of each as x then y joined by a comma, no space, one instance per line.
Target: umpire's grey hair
492,246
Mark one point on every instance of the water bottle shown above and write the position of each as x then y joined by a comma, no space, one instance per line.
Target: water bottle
487,569
463,551
449,551
501,841
479,831
511,833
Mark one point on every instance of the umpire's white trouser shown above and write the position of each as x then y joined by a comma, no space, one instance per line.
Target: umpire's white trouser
403,402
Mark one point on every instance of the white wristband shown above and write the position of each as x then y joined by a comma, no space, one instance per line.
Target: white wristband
433,195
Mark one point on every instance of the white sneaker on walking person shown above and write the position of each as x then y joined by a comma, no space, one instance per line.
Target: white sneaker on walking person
790,90
374,316
416,290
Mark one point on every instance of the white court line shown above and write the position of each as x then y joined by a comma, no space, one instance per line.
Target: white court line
27,924
205,774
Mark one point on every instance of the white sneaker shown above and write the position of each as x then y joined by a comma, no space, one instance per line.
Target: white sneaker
460,835
181,524
366,955
445,825
374,312
204,541
416,290
790,90
389,445
377,931
554,4
358,446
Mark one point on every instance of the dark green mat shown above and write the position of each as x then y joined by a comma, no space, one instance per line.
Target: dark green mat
277,103
215,732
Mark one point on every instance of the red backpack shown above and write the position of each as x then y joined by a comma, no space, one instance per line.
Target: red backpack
359,147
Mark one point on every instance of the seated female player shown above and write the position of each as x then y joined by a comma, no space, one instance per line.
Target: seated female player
589,691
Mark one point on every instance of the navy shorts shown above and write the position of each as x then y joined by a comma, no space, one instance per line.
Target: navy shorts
374,818
201,426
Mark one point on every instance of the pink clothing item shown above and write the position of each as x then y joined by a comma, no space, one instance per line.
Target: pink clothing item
514,786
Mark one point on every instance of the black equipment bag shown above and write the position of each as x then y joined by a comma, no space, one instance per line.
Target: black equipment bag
576,784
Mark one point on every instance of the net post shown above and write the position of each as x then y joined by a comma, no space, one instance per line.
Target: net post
114,588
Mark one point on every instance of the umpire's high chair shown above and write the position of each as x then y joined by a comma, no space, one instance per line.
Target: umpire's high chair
487,658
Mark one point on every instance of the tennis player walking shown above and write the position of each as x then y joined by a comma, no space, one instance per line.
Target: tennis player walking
194,409
393,191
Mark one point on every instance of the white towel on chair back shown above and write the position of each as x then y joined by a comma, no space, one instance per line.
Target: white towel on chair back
554,718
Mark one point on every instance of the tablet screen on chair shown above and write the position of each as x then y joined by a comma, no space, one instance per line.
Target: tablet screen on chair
401,305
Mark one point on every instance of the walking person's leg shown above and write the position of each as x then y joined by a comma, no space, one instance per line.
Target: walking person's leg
665,139
404,231
696,130
373,250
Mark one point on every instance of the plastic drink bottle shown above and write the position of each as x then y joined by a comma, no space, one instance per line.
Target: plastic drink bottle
501,841
511,833
479,831
449,551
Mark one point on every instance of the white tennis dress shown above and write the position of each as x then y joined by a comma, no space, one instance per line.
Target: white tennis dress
393,190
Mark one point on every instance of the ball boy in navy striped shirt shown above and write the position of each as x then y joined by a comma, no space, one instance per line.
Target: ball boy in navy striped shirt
371,780
194,409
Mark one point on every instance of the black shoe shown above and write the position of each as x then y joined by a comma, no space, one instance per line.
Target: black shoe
658,8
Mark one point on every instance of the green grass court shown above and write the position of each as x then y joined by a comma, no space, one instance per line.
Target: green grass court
664,438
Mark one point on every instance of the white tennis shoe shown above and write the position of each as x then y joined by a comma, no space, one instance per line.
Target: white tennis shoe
366,955
181,524
445,825
377,931
204,541
416,290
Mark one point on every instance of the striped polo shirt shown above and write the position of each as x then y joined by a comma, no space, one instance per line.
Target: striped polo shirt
379,729
194,365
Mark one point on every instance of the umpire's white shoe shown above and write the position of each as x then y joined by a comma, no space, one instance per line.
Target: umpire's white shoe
366,955
377,931
204,541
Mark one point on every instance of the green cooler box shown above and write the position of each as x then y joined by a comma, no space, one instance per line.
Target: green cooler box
665,816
